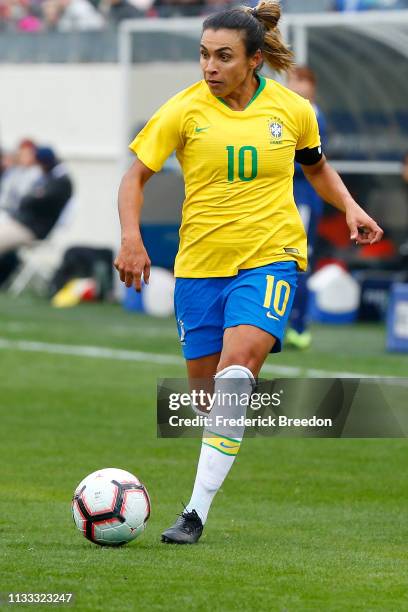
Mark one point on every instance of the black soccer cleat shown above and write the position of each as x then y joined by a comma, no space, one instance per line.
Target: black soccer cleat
186,530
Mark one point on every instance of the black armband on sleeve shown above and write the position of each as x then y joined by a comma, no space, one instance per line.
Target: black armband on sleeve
308,157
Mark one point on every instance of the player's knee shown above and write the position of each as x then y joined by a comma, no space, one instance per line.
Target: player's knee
246,358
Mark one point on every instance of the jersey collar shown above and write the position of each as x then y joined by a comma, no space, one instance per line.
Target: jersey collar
261,87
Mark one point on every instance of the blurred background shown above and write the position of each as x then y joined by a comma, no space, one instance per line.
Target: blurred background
78,80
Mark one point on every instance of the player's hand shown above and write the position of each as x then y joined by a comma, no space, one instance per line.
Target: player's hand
363,229
131,262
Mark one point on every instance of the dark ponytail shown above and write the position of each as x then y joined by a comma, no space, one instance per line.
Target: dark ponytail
260,25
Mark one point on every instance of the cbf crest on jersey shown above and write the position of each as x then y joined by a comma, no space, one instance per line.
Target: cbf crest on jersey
275,127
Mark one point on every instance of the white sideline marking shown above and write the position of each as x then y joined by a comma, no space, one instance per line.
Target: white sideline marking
100,352
116,330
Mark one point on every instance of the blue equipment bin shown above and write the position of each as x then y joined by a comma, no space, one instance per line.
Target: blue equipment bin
397,318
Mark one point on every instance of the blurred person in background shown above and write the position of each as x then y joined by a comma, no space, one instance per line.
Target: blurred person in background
212,6
10,12
30,20
302,80
404,171
123,9
367,5
79,15
20,176
21,15
7,161
4,14
51,13
142,5
179,8
40,208
404,176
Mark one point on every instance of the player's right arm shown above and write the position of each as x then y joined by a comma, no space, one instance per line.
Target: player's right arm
132,259
161,135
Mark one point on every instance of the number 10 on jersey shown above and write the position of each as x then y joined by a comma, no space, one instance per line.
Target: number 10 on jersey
246,160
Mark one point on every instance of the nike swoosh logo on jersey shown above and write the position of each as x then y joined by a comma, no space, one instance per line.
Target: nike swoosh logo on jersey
271,316
198,129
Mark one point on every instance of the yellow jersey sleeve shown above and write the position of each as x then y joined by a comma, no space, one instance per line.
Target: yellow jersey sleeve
309,136
161,135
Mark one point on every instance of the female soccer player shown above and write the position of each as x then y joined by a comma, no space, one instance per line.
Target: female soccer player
236,136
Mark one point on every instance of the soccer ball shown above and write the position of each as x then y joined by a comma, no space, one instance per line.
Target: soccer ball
111,507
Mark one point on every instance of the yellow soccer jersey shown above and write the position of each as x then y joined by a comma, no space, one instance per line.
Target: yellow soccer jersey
238,166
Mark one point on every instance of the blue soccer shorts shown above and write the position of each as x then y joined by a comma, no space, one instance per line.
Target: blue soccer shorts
205,307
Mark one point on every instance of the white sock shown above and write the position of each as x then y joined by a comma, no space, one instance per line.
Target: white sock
220,446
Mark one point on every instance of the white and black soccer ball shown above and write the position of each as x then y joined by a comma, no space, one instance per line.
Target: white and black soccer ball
110,507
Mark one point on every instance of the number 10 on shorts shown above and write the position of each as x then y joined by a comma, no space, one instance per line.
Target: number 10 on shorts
277,294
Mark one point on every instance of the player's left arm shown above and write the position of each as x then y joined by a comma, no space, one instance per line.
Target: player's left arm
328,184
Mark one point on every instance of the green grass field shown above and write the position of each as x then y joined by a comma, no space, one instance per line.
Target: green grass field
300,524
